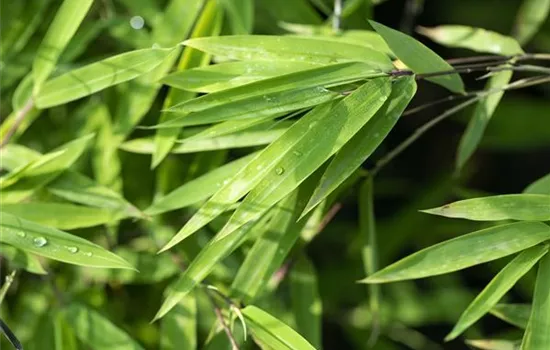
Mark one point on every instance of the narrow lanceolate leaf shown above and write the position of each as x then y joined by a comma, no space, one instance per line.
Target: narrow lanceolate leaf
198,189
537,336
306,302
419,58
43,170
241,15
61,215
482,115
289,160
67,20
476,39
270,331
55,244
516,314
531,16
494,344
526,207
268,104
541,186
97,331
21,259
227,75
179,328
307,155
98,76
361,146
288,48
496,289
464,251
325,76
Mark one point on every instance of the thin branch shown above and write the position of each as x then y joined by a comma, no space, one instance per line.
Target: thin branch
7,284
476,59
21,114
329,216
219,316
10,336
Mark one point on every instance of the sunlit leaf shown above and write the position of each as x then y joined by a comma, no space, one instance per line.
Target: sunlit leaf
516,314
476,39
55,244
534,207
541,186
464,251
496,289
272,332
289,48
530,18
419,58
493,344
21,259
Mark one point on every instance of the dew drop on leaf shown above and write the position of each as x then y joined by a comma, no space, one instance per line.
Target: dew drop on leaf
21,234
72,250
279,171
39,242
297,154
88,254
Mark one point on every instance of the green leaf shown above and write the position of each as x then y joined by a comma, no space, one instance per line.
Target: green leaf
476,39
482,115
65,339
21,259
179,328
23,93
289,48
530,18
361,146
306,302
516,314
493,344
97,331
526,207
496,289
55,244
198,189
176,21
100,75
289,160
541,186
227,75
537,336
67,20
419,58
272,332
61,215
464,251
241,15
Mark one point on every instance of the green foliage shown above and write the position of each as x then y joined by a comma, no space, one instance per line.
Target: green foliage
230,169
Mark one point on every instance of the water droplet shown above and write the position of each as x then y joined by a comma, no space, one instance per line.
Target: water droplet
21,234
39,242
137,22
297,153
312,124
225,182
73,250
88,254
279,171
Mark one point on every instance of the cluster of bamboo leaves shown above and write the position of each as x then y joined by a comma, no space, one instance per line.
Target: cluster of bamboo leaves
313,104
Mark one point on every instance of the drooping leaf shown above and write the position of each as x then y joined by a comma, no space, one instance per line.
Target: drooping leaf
227,75
534,207
516,314
100,75
289,48
361,146
67,20
96,331
21,259
482,115
476,39
306,302
536,335
541,186
272,332
530,18
419,58
493,344
496,289
54,244
464,251
179,327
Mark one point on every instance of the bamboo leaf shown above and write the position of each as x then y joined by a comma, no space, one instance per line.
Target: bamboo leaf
361,146
179,328
100,75
536,336
272,332
289,48
476,39
516,314
534,207
67,20
541,186
464,251
55,244
97,331
64,338
21,259
241,15
496,289
493,344
419,58
531,16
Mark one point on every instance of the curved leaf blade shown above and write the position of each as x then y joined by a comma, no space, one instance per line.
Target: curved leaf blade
516,314
21,259
541,186
531,16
